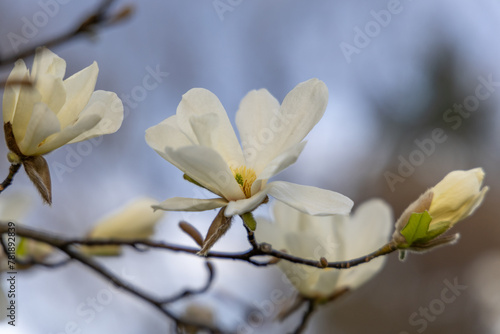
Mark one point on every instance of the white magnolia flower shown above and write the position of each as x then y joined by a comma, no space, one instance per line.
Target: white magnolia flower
200,141
337,238
454,198
52,112
136,220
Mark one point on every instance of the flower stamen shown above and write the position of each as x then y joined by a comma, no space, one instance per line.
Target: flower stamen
245,178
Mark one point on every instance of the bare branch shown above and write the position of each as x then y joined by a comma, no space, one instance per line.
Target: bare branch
14,168
100,17
190,292
311,307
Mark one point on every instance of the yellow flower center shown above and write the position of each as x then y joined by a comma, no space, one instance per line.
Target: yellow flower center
245,178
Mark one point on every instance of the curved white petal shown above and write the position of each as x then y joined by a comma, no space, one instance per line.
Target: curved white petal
310,200
337,238
190,204
11,91
269,232
219,134
135,221
259,123
369,229
372,218
42,124
282,161
304,106
52,90
66,135
47,62
109,108
26,100
166,134
271,132
79,90
242,206
206,167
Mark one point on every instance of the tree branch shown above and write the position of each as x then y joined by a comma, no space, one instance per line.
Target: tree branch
69,250
98,18
14,168
311,307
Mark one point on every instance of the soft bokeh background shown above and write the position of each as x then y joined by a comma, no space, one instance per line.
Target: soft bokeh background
394,89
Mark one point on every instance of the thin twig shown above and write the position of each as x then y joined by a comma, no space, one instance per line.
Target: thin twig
262,249
311,307
14,168
190,292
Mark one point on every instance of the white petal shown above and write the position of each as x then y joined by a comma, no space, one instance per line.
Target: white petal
190,204
79,88
198,102
367,230
304,106
301,109
206,167
310,200
67,134
109,108
11,92
166,134
26,100
282,161
52,91
242,206
47,62
259,122
42,124
269,232
135,221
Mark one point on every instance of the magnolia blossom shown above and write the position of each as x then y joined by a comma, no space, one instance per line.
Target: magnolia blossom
136,220
200,141
42,112
337,238
45,112
454,198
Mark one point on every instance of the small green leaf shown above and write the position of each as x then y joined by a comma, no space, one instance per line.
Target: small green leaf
249,221
417,227
434,231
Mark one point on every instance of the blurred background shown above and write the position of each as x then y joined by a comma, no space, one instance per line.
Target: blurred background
397,72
